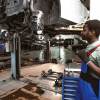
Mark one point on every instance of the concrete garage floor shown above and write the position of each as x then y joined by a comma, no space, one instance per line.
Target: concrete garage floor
31,86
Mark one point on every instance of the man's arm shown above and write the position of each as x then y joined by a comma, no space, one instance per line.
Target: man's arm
94,67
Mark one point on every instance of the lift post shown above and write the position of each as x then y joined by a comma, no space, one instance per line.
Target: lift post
15,57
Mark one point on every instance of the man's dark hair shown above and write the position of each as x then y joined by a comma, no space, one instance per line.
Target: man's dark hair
94,25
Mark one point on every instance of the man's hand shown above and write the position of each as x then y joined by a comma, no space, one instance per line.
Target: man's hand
82,55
